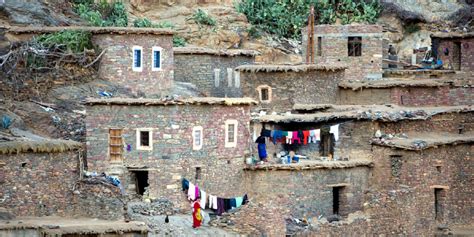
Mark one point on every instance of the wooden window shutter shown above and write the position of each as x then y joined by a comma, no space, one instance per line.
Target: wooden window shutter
115,145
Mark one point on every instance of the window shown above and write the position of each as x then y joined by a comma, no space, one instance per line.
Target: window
156,59
115,145
197,138
354,46
439,194
217,76
264,93
230,74
198,173
336,199
144,139
320,46
231,133
137,59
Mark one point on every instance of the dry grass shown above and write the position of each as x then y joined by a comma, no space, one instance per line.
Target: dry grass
93,30
289,68
43,146
453,35
160,102
228,53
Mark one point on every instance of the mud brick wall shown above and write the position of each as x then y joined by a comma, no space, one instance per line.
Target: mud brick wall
308,193
198,69
289,88
172,157
449,166
116,64
335,49
409,96
467,53
38,184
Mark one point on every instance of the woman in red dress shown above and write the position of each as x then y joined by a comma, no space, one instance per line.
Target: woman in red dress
197,218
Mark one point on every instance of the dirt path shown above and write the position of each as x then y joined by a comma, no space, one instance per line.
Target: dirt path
181,225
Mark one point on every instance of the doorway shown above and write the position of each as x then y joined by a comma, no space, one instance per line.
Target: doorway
141,181
457,56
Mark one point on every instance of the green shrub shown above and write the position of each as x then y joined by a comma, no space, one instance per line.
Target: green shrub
285,18
145,22
203,18
179,41
412,28
67,40
102,13
254,32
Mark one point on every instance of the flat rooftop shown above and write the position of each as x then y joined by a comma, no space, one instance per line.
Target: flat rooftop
165,102
311,165
290,68
93,30
216,52
387,113
58,226
421,141
400,82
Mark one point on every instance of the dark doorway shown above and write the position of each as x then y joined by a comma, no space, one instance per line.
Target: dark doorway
438,203
336,200
141,181
457,56
328,142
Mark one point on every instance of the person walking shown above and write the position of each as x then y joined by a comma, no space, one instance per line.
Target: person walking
197,217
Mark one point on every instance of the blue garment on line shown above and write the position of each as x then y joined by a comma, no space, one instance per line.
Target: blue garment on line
277,134
239,201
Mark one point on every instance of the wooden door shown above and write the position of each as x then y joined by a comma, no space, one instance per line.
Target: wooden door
115,145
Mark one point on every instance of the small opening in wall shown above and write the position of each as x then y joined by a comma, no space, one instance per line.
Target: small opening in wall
144,138
438,168
141,181
23,164
336,200
438,203
198,173
264,93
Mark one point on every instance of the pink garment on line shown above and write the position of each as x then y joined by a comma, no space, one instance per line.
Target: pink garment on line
196,191
295,137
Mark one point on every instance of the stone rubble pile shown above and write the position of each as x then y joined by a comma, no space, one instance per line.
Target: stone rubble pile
136,210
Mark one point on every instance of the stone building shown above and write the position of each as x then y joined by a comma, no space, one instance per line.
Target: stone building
455,50
152,144
279,87
357,46
42,177
138,59
212,71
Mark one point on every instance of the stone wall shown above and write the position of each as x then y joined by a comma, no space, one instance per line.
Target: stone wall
45,184
199,69
466,60
172,157
409,96
289,88
116,63
335,49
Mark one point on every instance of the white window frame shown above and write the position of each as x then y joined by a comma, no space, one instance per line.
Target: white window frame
259,90
150,139
197,147
236,124
230,75
155,49
237,79
137,69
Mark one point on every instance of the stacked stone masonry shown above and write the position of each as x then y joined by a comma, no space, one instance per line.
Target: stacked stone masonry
334,49
456,53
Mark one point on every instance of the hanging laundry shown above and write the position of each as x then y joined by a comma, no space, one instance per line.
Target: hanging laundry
196,191
213,202
289,137
191,192
233,203
245,199
295,137
220,206
227,204
203,199
335,130
238,201
305,137
318,134
277,135
266,133
185,184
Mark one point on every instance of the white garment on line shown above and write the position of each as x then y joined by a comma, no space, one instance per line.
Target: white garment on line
335,130
203,199
191,192
289,137
213,202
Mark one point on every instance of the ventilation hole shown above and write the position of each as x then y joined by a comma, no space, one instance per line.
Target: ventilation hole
228,161
23,165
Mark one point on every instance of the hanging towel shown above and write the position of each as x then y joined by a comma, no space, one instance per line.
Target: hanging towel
191,192
213,202
295,137
335,130
220,206
185,184
227,204
305,137
203,199
233,203
277,135
318,134
239,201
196,191
289,137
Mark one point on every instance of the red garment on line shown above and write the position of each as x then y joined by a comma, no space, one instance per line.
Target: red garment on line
305,137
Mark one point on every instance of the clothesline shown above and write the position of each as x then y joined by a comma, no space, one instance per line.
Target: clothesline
218,204
300,136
